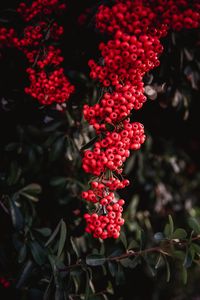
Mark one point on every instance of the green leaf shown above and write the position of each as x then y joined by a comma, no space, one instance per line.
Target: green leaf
31,191
47,292
57,148
54,234
95,260
134,262
196,248
171,224
110,127
56,181
184,275
112,265
119,276
26,273
38,252
14,173
22,254
30,197
52,126
63,235
123,239
188,259
43,231
150,267
159,261
125,262
179,254
89,144
167,230
74,246
17,218
87,286
194,224
133,245
168,274
141,237
179,233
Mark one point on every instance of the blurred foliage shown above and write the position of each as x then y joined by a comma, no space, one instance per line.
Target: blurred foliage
44,251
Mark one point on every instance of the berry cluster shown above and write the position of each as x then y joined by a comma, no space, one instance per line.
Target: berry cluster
136,27
112,151
107,222
48,83
40,7
4,282
6,36
144,16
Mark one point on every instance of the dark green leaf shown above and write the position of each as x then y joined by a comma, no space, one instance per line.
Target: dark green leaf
32,189
57,148
196,248
89,144
30,197
17,218
188,259
95,260
87,286
184,275
179,254
133,245
14,173
112,265
47,292
171,224
141,238
38,252
43,231
167,230
168,273
52,237
159,261
125,262
27,270
52,126
63,235
22,254
123,239
179,233
119,276
74,246
56,181
194,224
134,262
110,127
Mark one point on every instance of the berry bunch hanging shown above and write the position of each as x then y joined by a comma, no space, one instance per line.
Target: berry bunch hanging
48,83
136,28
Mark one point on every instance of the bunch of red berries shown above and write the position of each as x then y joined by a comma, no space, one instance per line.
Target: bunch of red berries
137,27
49,88
152,17
107,222
6,36
111,152
5,283
48,83
40,7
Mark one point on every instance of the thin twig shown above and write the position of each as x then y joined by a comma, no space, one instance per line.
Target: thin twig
132,253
